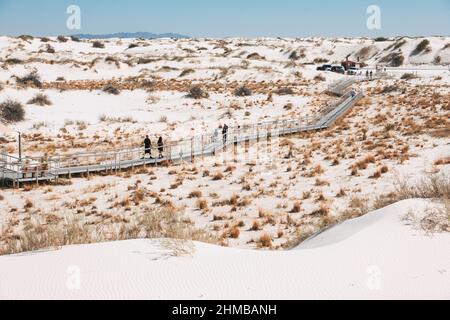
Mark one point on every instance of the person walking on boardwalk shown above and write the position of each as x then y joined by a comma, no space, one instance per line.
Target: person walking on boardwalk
367,74
225,133
160,147
371,75
147,147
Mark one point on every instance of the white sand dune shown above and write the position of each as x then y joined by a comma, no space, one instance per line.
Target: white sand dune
376,256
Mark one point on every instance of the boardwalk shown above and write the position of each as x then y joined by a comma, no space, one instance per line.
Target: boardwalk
14,171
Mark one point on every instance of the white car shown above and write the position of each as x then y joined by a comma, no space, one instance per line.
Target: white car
353,71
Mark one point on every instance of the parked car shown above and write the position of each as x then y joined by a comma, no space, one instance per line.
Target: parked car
324,67
338,69
353,71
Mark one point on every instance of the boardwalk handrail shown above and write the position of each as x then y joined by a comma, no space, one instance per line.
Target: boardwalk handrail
50,167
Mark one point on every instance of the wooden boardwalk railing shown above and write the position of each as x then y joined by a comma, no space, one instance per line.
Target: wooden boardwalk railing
35,169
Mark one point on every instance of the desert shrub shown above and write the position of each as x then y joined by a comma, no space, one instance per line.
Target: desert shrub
408,76
133,45
389,89
45,39
294,56
395,59
422,46
41,100
50,49
320,60
75,39
2,86
436,219
145,60
288,106
255,56
196,92
243,92
25,37
98,45
399,44
285,91
61,39
111,89
380,39
320,78
11,111
186,72
111,59
13,61
432,186
32,79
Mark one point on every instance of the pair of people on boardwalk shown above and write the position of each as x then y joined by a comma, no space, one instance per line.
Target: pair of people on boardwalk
148,147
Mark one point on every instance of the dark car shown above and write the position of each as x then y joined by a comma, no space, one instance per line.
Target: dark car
338,69
324,67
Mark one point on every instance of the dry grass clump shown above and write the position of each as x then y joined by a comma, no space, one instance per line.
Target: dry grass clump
156,222
265,240
297,207
40,99
442,162
139,196
324,210
235,232
195,194
357,207
256,226
217,176
202,204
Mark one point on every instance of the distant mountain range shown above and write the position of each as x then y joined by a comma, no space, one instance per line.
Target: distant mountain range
127,35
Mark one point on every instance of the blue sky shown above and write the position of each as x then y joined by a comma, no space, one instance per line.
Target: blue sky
223,18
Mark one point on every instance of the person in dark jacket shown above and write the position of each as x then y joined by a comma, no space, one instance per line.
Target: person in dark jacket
225,133
147,147
160,147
